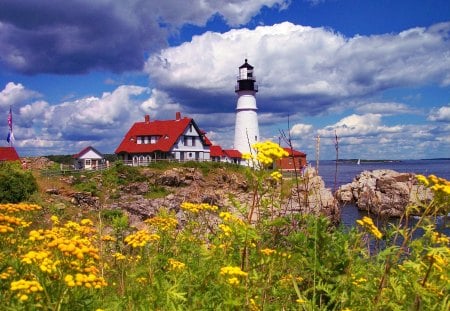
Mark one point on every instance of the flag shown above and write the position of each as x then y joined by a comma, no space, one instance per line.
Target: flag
10,139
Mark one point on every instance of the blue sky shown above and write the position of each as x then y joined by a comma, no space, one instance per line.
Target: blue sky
377,73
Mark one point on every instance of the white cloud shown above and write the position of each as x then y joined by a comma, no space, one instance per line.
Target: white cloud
33,112
441,114
300,129
160,104
304,68
359,125
385,108
14,94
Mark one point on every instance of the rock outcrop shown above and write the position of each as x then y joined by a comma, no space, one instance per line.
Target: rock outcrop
383,192
222,189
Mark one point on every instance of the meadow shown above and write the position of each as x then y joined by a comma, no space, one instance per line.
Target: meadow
215,259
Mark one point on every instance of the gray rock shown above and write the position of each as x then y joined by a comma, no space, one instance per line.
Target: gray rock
383,192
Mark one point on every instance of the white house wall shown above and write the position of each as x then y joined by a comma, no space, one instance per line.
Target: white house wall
91,155
199,151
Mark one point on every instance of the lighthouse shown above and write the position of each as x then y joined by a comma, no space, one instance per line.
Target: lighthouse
246,130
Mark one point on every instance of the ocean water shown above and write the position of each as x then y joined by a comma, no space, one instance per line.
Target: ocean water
347,171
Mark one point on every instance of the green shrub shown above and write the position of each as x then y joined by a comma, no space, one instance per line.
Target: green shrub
16,185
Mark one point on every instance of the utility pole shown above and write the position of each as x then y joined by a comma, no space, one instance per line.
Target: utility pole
317,153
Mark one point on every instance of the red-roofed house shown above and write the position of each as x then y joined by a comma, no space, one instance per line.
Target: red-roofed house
179,139
8,154
89,159
232,156
225,155
295,160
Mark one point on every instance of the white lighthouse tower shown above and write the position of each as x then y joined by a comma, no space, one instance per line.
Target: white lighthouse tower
246,130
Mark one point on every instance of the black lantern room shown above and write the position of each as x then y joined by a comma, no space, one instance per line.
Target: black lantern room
246,79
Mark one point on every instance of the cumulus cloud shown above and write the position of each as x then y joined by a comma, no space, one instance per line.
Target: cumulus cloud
359,125
15,93
79,35
301,68
300,129
442,114
159,104
62,127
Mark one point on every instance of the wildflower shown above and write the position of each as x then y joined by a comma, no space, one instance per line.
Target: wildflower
367,223
233,281
226,230
422,179
175,265
25,288
54,219
141,238
196,208
163,223
440,238
108,238
268,152
268,251
119,256
276,175
232,270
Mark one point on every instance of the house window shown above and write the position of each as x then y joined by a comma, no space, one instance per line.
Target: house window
193,140
190,154
139,140
87,162
190,127
146,140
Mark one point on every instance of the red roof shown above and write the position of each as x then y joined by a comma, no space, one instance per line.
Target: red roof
215,151
8,154
85,150
232,154
167,131
293,152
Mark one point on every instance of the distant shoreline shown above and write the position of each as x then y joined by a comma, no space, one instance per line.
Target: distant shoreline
386,160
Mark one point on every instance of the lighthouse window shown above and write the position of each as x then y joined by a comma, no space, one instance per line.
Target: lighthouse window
256,138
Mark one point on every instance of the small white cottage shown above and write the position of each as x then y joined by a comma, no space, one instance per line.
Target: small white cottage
89,159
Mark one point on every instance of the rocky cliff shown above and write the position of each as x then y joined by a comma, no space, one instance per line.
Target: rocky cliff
222,188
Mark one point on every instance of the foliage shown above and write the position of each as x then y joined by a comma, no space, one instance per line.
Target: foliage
156,192
62,159
16,185
253,257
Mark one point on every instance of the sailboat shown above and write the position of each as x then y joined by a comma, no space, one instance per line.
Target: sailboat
358,162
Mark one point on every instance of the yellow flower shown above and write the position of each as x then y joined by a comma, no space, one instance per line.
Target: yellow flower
54,219
141,238
233,281
276,175
197,207
268,251
225,229
175,265
232,270
368,224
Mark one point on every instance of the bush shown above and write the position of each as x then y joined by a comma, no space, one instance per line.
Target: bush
16,185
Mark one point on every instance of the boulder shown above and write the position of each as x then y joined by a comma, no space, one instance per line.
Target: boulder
383,192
